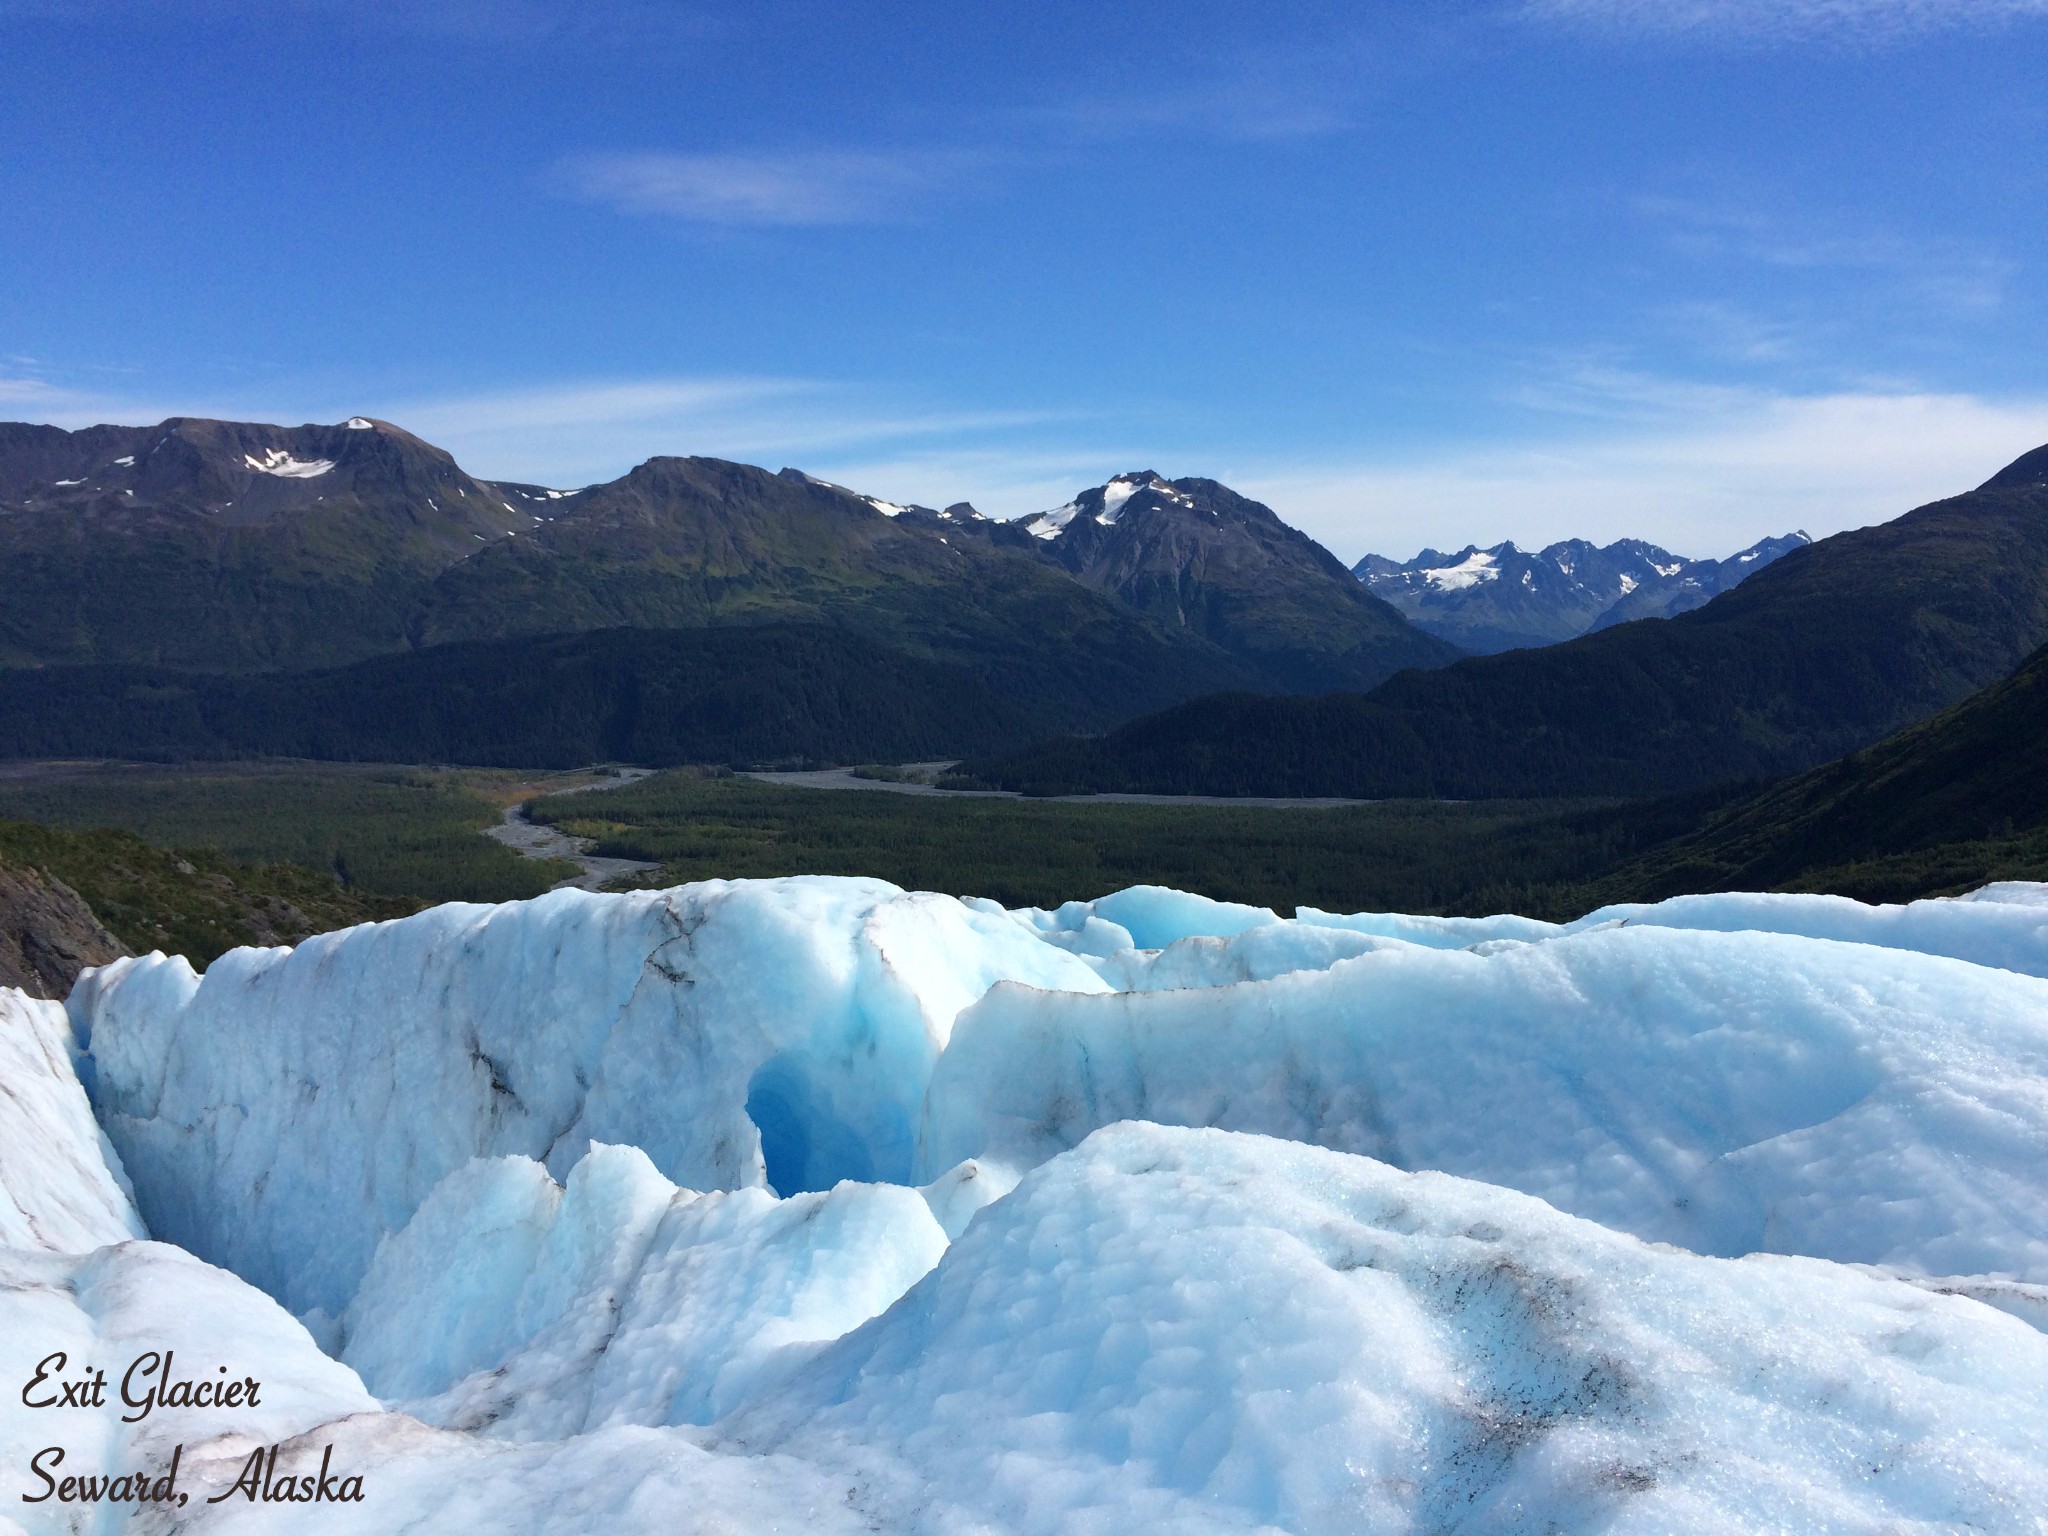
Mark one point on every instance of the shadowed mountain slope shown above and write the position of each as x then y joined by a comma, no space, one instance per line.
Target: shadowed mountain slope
770,693
1945,805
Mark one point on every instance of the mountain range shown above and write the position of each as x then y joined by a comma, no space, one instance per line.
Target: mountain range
1826,650
183,556
1504,598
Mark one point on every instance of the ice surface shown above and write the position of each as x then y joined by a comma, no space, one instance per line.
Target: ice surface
1114,495
2002,933
359,423
1049,525
1967,928
106,1309
284,1114
2019,893
61,1185
539,1312
956,1195
1727,1092
1435,932
1257,954
1143,916
1195,1331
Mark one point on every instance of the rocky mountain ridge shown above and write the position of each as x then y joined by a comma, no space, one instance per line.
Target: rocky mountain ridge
223,549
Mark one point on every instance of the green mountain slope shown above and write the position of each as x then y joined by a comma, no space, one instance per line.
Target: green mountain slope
688,543
1944,806
224,548
1828,649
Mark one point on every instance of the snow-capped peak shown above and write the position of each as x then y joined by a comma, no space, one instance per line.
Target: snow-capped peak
278,462
1105,503
359,424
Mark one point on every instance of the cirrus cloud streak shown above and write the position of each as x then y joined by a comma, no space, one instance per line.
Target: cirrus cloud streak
800,188
1786,19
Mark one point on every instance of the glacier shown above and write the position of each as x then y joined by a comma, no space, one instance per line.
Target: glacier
816,1204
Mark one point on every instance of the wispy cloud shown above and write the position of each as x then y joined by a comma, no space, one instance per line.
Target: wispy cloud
804,187
640,23
1264,94
1868,20
577,432
1935,268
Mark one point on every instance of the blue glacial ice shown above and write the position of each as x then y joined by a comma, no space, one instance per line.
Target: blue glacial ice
701,1210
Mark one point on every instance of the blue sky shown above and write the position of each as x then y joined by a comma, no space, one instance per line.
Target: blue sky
1697,270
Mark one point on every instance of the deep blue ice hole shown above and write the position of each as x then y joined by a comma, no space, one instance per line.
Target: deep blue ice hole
803,1141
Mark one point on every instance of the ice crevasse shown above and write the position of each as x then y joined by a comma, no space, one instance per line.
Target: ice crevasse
710,1198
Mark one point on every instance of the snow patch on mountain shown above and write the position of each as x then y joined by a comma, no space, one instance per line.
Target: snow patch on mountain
277,461
1104,503
1480,565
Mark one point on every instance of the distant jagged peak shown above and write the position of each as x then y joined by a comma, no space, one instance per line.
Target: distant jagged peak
1502,597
